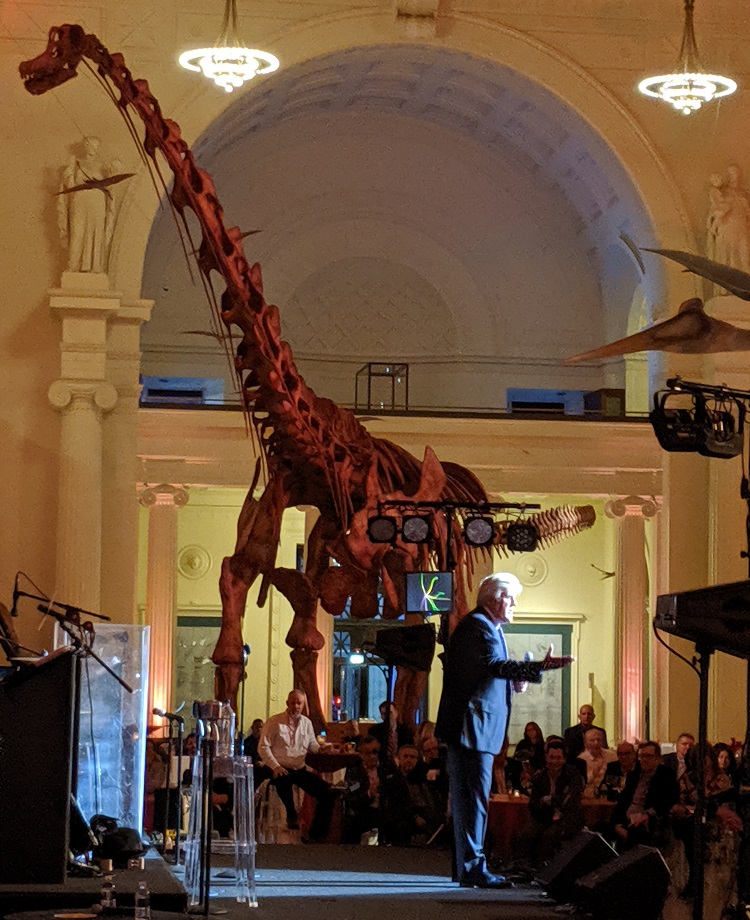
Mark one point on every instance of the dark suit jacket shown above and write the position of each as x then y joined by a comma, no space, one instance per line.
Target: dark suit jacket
661,795
566,798
573,738
477,685
671,761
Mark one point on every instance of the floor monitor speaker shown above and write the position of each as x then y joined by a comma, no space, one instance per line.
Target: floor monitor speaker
586,852
610,891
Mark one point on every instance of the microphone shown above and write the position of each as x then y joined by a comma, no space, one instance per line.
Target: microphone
172,716
13,609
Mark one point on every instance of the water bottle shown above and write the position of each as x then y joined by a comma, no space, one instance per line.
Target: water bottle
107,898
142,902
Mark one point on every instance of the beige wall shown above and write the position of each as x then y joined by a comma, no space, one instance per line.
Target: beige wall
590,60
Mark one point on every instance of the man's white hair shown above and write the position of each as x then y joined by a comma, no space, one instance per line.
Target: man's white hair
499,583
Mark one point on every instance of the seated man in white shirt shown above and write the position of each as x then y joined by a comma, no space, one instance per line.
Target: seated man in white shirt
283,746
592,762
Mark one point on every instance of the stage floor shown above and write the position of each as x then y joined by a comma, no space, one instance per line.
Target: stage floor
320,882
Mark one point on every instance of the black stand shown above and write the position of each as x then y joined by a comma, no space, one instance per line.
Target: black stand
174,736
699,817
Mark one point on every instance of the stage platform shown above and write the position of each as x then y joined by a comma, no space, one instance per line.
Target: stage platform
320,882
167,893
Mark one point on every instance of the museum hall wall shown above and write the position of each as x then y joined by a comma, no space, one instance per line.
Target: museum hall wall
580,67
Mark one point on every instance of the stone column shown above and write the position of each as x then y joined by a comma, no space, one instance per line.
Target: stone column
83,304
161,586
120,463
727,512
632,613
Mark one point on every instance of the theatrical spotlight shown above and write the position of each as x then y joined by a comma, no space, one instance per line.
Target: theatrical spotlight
723,428
479,531
675,419
382,529
415,528
521,537
696,417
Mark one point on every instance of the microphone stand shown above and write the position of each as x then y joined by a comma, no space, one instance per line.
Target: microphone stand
180,723
69,620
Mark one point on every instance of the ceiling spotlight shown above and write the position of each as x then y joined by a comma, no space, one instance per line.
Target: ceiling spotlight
415,528
521,537
479,531
382,529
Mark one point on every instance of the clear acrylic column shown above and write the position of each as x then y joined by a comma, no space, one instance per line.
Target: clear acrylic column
216,725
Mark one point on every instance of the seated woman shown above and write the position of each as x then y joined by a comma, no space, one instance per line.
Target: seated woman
533,743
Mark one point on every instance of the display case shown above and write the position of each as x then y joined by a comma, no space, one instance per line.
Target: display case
113,724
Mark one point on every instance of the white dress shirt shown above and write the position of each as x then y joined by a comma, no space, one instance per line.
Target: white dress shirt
285,744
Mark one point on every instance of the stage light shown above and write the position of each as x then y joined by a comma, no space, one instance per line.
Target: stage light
723,429
711,424
356,658
415,528
521,537
479,531
674,421
382,529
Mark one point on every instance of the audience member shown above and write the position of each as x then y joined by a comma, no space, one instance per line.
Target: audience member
677,760
380,732
618,771
642,811
285,741
425,730
555,806
350,732
574,735
519,773
250,748
533,743
377,796
726,767
593,762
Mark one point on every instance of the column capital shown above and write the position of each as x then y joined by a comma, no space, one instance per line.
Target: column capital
632,506
64,394
164,494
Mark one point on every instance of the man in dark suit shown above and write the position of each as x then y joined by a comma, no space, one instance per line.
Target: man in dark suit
642,811
478,683
573,736
676,761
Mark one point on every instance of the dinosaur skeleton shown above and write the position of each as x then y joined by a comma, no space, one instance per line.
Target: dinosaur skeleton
314,452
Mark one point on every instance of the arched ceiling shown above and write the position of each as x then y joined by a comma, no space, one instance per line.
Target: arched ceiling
450,176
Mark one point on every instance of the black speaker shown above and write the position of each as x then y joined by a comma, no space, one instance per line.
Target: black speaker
636,882
408,646
586,852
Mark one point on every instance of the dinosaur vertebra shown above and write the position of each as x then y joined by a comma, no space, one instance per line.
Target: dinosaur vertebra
315,453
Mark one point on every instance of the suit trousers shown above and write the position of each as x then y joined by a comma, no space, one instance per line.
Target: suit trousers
470,779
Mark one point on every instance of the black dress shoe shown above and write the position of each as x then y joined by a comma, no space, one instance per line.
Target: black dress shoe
485,881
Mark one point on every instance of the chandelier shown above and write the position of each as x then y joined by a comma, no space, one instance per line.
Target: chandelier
228,63
689,87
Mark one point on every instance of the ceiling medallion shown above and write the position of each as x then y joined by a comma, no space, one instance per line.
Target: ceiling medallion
531,570
229,64
689,87
193,562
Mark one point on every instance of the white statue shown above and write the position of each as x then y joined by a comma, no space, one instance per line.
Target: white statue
728,223
85,209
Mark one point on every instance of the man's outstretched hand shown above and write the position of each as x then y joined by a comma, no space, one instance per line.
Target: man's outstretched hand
550,663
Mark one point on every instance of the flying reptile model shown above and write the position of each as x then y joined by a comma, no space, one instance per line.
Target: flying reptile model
691,331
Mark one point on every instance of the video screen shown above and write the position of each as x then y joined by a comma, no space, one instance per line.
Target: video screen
429,593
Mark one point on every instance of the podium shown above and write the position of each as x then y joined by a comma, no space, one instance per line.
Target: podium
39,708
